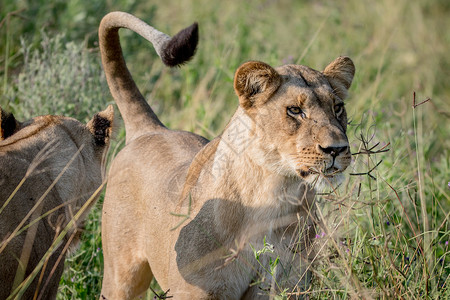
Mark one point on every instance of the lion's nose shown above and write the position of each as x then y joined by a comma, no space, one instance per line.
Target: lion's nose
333,151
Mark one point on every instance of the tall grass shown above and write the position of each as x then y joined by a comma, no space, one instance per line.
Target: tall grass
386,230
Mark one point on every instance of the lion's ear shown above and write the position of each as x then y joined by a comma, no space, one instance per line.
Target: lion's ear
254,83
340,75
101,126
8,124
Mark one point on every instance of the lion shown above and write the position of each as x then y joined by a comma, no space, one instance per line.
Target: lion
229,218
50,167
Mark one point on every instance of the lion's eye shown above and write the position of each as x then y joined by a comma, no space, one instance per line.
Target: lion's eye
295,111
339,109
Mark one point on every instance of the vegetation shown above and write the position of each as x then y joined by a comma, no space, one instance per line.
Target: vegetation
386,230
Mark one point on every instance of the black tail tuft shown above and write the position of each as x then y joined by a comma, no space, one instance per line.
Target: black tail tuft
181,47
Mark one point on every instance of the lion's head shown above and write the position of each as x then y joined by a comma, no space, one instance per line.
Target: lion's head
299,117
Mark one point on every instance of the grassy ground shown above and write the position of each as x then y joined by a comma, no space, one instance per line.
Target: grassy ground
392,215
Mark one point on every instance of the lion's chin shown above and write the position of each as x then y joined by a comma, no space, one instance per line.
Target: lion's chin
322,181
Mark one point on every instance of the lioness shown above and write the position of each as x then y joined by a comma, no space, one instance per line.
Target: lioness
49,167
194,214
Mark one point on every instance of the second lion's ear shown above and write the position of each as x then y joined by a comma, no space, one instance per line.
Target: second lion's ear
8,124
255,82
101,126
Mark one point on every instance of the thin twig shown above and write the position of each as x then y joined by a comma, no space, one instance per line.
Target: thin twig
414,101
370,150
368,172
12,13
162,296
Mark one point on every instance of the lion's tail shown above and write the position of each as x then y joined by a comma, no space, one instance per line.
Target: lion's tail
136,113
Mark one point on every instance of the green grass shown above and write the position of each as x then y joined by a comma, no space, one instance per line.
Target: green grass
392,230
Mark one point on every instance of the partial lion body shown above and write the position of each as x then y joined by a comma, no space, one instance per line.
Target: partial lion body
145,202
49,167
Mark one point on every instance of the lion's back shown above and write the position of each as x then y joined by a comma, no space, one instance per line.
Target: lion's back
161,160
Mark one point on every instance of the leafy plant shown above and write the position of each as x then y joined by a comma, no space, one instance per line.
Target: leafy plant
59,78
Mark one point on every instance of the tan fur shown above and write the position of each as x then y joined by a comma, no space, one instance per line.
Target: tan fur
34,155
187,211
